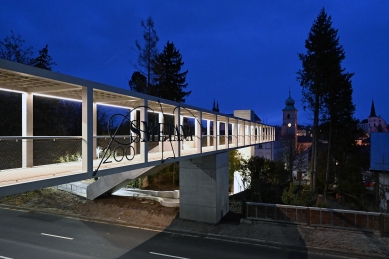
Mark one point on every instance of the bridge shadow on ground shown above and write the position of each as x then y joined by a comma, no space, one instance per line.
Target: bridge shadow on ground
229,238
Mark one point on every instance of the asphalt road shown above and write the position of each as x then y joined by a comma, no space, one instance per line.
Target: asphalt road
38,235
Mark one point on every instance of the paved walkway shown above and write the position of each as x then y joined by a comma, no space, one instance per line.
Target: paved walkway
341,243
23,175
77,188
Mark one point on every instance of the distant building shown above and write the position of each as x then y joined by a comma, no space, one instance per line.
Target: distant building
379,164
289,120
373,123
301,131
215,107
274,150
247,114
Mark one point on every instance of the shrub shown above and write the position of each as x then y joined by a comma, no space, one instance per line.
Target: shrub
297,195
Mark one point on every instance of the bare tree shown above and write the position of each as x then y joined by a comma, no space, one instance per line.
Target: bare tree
148,52
12,49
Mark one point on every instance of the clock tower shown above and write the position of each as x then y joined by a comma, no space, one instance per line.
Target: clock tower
289,120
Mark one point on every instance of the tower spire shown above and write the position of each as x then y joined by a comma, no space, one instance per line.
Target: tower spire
372,110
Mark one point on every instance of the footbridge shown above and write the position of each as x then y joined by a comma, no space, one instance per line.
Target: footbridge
149,134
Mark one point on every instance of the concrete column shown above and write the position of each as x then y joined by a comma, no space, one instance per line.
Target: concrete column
177,122
198,134
87,129
144,143
204,188
208,133
94,107
27,129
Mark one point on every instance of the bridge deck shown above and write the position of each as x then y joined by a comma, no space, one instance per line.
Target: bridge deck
17,176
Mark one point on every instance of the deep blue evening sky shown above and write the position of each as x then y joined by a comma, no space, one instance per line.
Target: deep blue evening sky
241,53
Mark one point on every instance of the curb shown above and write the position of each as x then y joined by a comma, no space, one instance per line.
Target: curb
260,242
76,216
309,249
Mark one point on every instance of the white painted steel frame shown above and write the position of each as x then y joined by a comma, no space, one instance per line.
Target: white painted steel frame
30,80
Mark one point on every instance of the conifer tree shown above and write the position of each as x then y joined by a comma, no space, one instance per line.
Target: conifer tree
44,60
170,82
138,83
327,89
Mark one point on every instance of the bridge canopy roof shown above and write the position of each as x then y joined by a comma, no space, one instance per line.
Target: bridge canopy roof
23,78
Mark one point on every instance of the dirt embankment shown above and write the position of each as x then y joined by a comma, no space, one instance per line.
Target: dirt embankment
122,209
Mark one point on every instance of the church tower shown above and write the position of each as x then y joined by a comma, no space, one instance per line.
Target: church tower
376,123
289,121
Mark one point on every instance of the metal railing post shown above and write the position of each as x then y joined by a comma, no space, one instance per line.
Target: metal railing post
308,217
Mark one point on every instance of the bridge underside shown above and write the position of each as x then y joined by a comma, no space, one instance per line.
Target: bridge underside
18,180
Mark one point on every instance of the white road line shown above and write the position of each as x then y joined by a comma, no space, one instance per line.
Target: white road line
172,256
3,257
70,238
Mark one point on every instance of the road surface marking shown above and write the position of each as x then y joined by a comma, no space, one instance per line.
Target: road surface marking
3,257
70,238
172,256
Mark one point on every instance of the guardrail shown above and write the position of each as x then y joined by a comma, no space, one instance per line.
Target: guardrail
38,150
313,216
72,188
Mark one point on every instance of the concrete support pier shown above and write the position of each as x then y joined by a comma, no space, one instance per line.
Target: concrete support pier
204,188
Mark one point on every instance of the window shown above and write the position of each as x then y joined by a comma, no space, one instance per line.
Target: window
288,116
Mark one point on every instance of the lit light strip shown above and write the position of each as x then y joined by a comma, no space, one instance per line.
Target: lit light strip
57,97
112,105
128,108
13,91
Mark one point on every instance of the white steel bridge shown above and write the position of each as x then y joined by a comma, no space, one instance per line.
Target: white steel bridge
192,132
